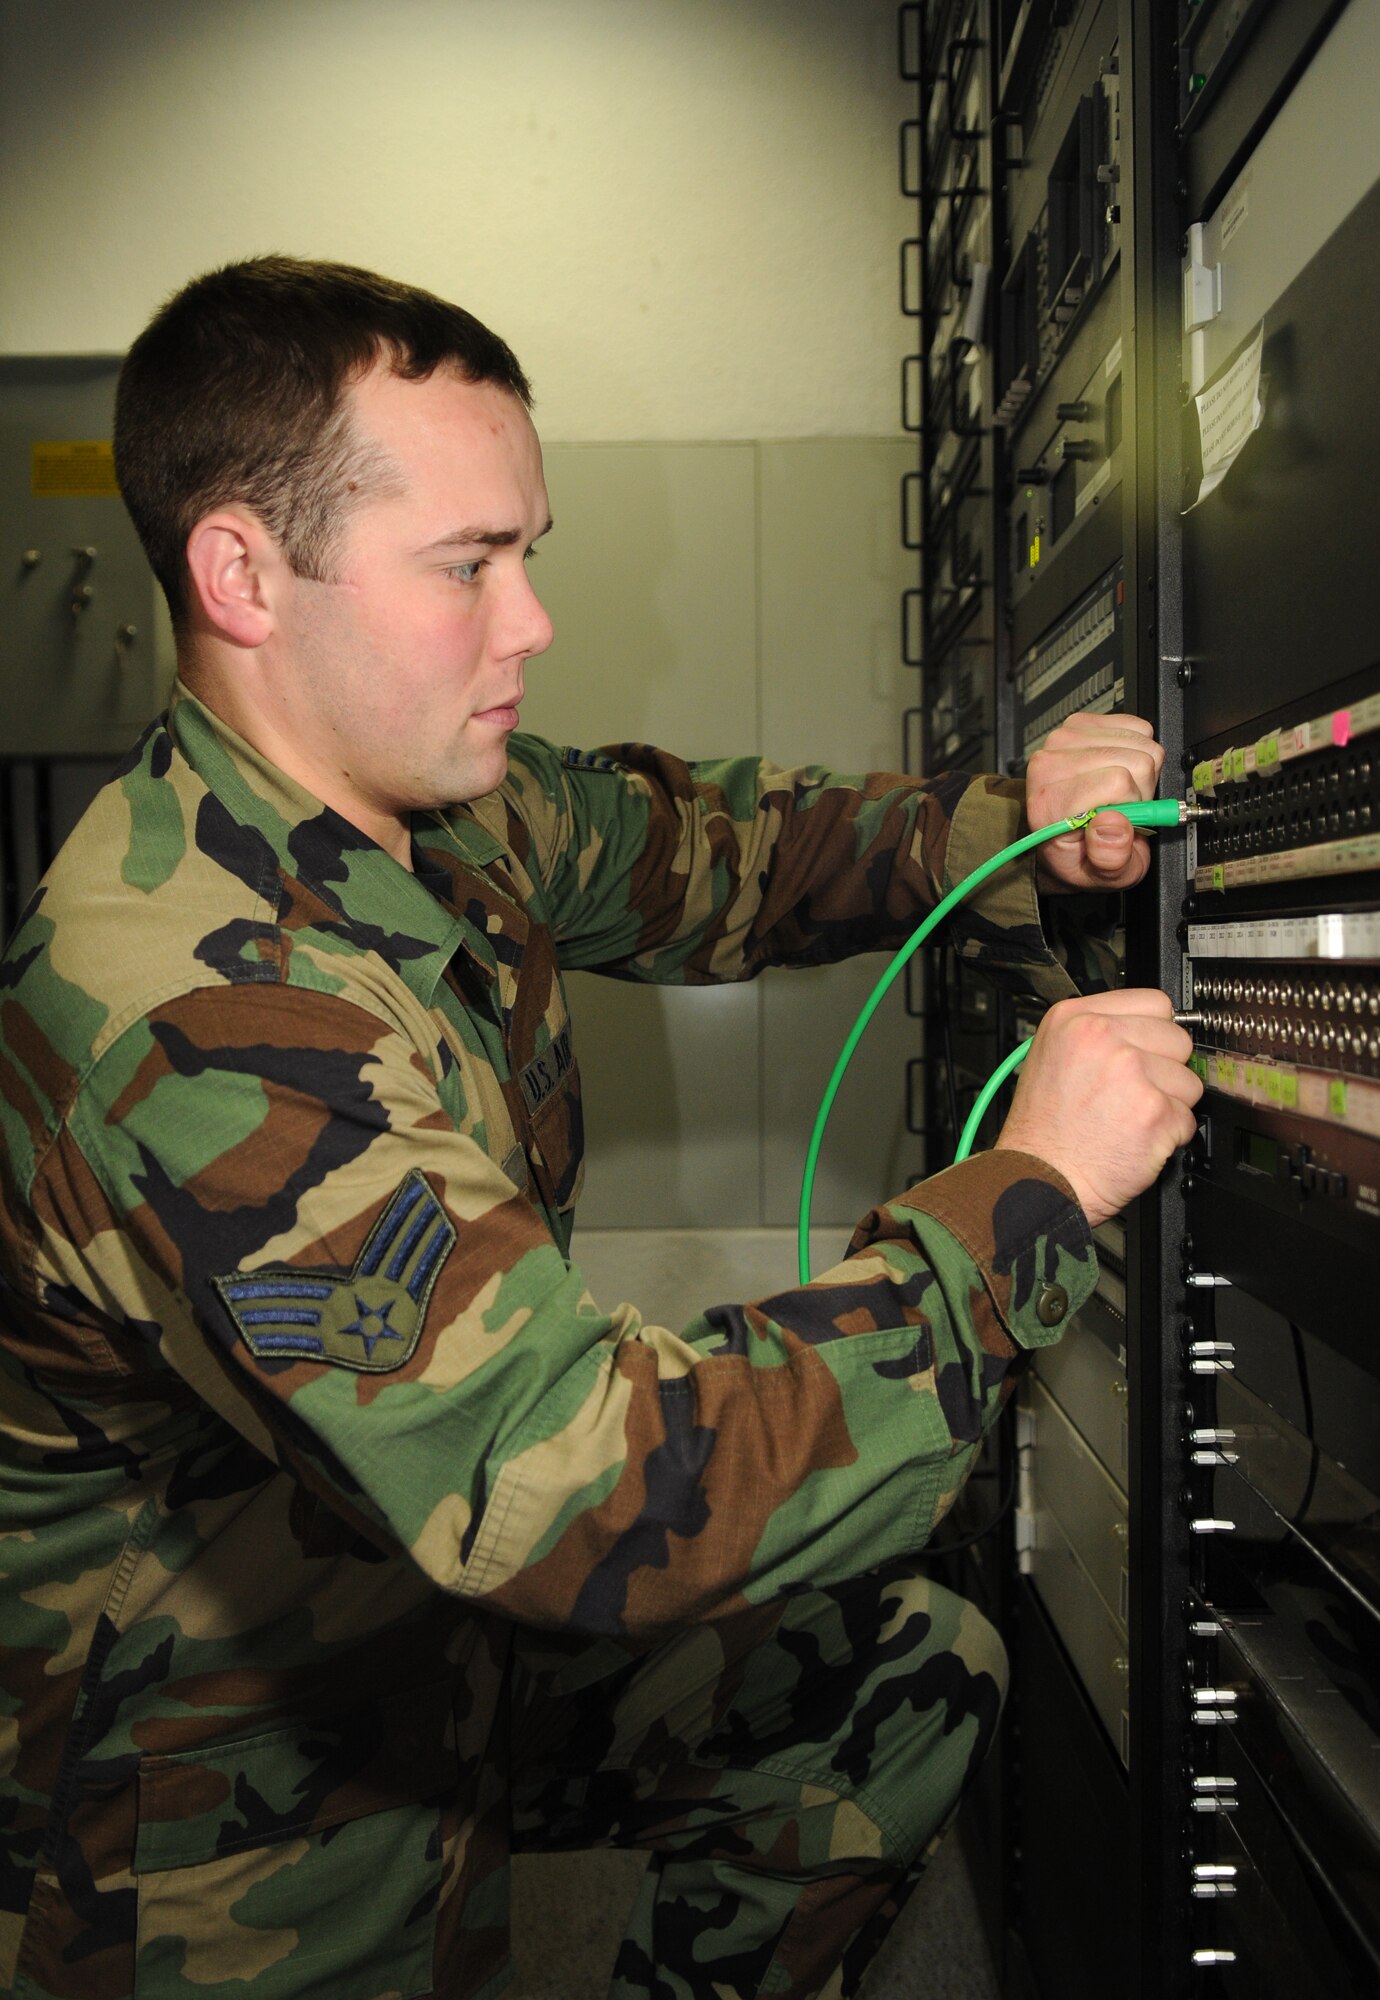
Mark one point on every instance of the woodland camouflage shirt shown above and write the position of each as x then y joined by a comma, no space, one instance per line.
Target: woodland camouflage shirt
301,1402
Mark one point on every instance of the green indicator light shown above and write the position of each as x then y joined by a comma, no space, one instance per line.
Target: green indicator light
1196,83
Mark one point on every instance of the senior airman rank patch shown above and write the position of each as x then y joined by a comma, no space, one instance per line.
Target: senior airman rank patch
371,1317
591,760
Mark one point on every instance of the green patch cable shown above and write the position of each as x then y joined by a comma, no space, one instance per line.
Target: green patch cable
1140,812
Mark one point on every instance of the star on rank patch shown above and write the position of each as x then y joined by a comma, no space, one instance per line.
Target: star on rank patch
369,1318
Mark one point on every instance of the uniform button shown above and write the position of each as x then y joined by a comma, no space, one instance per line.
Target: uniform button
1053,1304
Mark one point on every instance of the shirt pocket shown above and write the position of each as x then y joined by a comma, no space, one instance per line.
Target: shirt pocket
306,1860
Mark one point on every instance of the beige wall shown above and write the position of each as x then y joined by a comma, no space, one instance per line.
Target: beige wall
683,214
722,598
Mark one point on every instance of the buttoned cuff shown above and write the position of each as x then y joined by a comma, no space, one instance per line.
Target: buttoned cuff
1020,1222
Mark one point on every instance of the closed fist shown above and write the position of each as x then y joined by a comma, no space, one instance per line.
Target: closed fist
1105,1095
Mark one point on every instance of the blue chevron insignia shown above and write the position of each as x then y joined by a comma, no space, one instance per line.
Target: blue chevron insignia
591,760
369,1318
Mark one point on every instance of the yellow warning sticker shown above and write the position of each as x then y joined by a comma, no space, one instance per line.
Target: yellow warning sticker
75,470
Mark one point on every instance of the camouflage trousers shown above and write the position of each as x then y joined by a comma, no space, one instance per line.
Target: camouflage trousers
789,1771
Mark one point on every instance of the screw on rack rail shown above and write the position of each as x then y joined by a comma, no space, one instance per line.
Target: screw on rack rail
1210,1447
1214,1795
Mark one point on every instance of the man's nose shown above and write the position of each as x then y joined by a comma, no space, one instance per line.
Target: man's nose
527,627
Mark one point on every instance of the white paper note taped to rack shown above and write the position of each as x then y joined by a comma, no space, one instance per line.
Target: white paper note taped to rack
1228,411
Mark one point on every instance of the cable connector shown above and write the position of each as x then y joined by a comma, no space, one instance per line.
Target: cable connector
1142,812
1159,812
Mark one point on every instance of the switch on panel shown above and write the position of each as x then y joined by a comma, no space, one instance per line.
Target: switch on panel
78,655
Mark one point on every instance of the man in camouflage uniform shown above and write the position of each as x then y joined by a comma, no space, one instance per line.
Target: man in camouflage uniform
350,1544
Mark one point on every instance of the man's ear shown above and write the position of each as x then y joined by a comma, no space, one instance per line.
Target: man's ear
233,563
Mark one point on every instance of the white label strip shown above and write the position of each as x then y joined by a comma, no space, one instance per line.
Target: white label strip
1331,857
1351,1101
1338,935
1332,731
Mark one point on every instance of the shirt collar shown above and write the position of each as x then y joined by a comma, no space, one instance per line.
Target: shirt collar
383,904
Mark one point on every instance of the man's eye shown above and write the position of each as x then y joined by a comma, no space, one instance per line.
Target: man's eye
465,572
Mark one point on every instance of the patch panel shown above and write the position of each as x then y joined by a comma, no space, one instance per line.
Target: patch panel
1097,695
1290,1051
1235,1064
1316,814
1076,665
1331,797
1071,642
1333,729
1290,1013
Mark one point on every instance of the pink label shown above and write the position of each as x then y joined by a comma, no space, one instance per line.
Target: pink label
1341,727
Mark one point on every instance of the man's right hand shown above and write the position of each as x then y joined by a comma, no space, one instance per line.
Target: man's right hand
1105,1095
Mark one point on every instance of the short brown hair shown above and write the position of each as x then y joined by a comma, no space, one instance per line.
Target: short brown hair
235,392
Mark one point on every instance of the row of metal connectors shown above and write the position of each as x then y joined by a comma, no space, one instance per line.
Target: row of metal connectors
1296,829
1258,1033
1322,994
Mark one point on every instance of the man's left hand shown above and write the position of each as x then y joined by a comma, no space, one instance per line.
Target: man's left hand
1092,760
